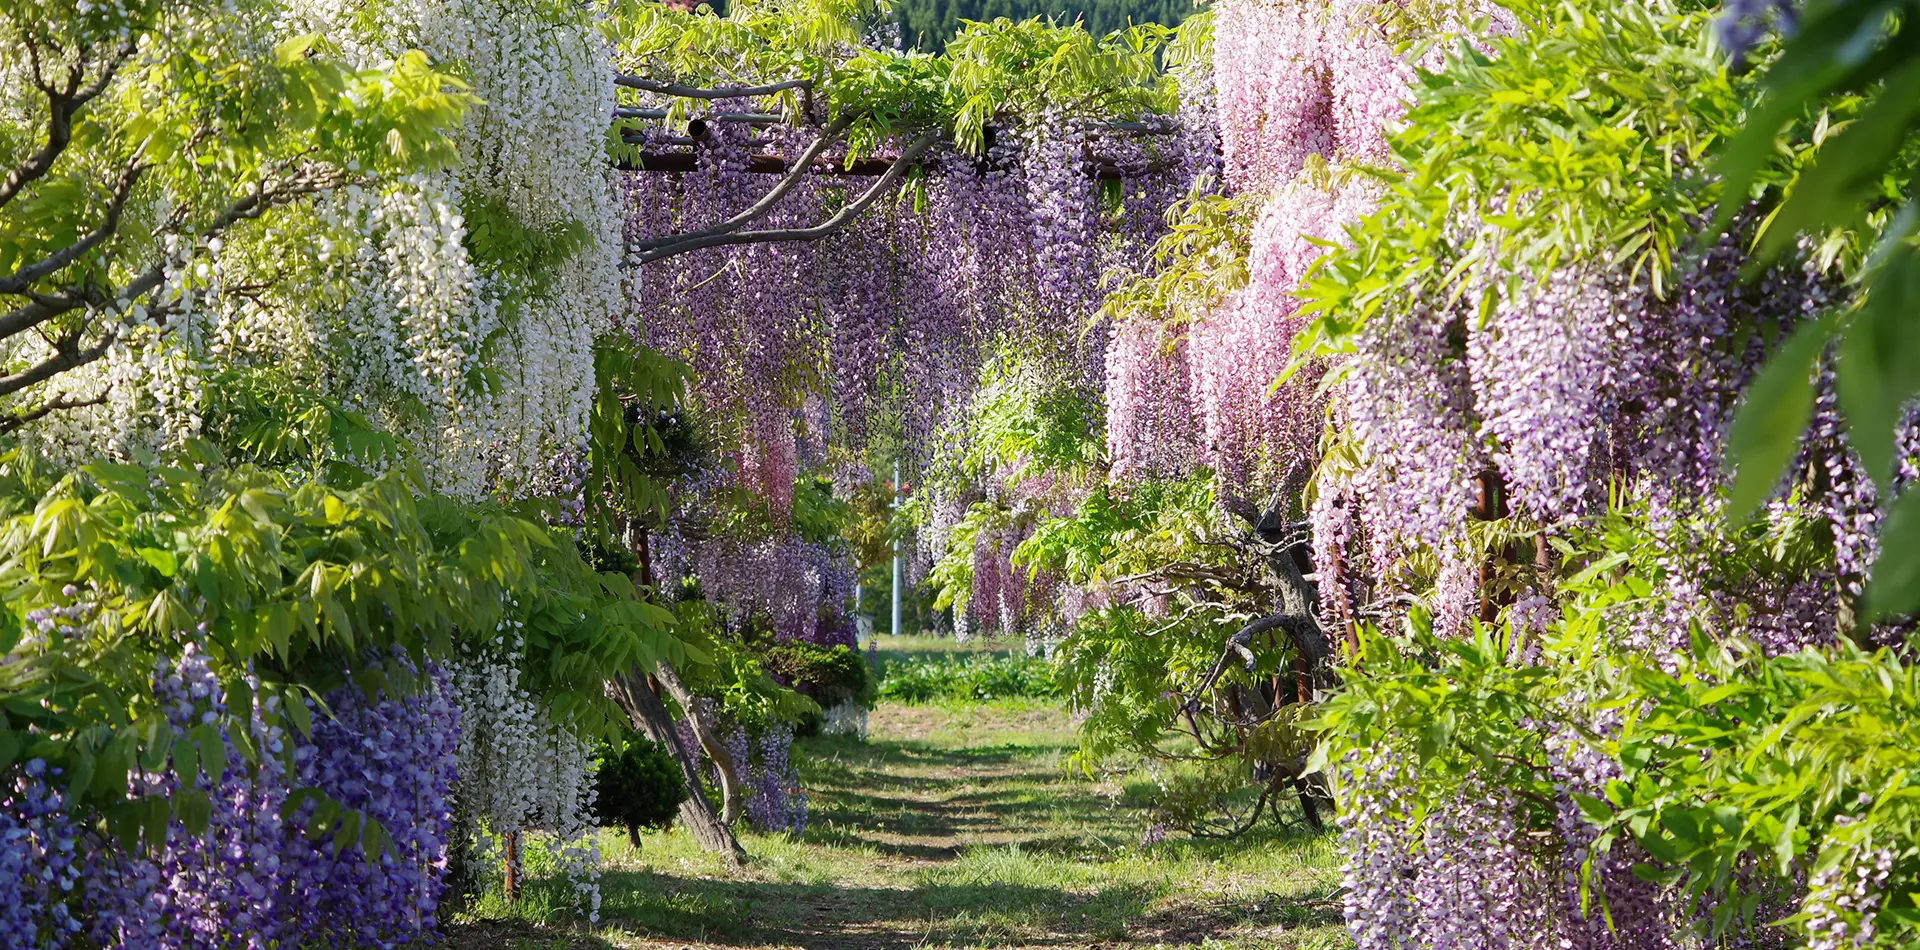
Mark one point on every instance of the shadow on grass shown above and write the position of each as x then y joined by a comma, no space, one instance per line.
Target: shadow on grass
513,933
829,753
866,795
913,843
751,913
659,907
878,824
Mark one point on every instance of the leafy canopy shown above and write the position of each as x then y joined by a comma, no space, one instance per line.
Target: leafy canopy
1587,138
997,72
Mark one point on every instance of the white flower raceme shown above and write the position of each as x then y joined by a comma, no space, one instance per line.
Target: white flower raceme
847,718
519,770
486,369
144,394
384,294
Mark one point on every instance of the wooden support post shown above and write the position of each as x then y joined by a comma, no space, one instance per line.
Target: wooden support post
510,883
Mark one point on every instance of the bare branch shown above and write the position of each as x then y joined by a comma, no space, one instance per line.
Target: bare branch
1183,570
1136,128
840,219
69,354
15,421
1234,828
718,92
800,168
1301,630
99,84
24,277
36,311
62,106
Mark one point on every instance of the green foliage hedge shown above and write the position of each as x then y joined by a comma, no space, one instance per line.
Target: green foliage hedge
976,677
827,675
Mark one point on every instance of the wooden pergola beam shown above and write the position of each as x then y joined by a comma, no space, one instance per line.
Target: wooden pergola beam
778,165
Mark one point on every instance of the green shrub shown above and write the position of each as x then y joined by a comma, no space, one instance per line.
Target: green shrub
827,675
978,677
639,785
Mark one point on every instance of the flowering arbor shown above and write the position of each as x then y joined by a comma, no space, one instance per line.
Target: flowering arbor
399,403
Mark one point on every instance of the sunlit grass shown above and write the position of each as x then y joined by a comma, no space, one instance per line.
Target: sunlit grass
953,826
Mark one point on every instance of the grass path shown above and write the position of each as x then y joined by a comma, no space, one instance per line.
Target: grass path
949,827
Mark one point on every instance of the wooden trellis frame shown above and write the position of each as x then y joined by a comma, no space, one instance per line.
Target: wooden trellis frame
811,161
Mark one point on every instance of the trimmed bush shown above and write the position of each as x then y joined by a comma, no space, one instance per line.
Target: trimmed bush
638,786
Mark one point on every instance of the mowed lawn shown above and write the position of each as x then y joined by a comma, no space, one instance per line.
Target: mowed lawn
951,826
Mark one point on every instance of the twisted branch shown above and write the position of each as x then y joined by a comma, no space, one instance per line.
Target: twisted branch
15,421
718,92
62,105
68,352
840,219
25,277
799,170
1300,629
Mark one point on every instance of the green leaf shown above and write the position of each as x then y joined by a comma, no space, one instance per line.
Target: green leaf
1766,430
153,822
80,766
194,809
11,630
162,561
373,838
294,49
276,626
347,832
212,749
186,760
1593,809
1894,586
1850,167
297,712
1879,362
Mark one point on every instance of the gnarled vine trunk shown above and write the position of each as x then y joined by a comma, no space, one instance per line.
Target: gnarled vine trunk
642,705
732,796
650,716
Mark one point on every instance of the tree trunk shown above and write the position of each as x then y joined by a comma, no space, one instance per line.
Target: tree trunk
510,879
732,796
1298,599
650,716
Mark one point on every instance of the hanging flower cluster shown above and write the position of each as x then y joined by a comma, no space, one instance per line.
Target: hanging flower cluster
895,313
1150,410
520,770
146,393
1294,86
887,323
253,875
456,308
1521,384
775,800
459,308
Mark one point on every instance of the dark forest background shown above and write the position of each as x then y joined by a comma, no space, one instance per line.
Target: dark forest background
928,24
